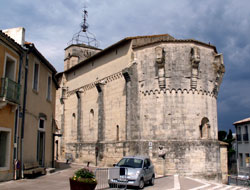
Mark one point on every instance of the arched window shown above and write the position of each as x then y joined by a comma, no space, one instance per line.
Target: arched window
73,124
117,132
91,118
205,128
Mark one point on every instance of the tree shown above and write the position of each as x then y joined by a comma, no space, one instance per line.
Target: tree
230,135
222,135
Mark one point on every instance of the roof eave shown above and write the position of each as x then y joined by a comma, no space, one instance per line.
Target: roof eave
98,54
12,41
34,50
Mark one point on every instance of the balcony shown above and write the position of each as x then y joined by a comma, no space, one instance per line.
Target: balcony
245,137
9,91
238,137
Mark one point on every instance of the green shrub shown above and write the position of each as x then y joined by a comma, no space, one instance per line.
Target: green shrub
84,175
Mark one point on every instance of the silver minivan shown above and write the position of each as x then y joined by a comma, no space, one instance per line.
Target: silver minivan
139,170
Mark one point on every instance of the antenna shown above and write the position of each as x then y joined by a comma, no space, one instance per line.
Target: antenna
84,36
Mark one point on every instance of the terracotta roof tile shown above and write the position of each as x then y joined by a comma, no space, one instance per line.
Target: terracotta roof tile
10,39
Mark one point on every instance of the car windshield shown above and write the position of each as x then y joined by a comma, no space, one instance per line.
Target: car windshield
130,162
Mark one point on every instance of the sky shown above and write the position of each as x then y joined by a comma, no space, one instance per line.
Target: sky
50,25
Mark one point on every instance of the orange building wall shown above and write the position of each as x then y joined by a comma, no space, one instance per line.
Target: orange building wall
3,51
7,113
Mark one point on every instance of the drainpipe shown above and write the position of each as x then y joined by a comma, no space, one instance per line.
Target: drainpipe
23,112
16,132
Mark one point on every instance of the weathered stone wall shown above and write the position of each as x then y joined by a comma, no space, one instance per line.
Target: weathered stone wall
175,101
157,99
176,111
93,130
224,162
76,53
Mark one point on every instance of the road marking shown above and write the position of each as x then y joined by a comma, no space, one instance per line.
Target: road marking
200,181
235,188
201,187
176,182
228,187
217,186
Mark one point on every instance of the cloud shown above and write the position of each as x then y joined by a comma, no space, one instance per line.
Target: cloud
224,23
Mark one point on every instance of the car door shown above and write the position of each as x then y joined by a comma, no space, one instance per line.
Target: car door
147,170
151,169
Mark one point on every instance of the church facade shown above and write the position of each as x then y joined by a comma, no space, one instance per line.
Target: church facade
145,95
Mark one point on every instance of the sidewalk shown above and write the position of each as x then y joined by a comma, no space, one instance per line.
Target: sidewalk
58,180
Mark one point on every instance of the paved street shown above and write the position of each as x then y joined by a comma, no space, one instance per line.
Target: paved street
60,181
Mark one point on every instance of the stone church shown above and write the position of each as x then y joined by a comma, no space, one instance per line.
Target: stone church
144,95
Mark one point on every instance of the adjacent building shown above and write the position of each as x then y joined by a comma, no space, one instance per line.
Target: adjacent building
27,114
11,57
148,95
39,122
242,129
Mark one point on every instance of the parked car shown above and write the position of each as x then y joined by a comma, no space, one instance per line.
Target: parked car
138,171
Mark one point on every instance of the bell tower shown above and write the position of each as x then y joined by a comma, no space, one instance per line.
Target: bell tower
82,45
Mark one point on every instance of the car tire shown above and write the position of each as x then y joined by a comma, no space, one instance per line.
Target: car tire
141,184
152,180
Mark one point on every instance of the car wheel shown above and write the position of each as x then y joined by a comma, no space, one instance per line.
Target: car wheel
152,180
141,183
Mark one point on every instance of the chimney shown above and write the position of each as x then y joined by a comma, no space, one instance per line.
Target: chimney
18,34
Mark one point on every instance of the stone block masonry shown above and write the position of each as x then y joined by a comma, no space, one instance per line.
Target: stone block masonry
156,97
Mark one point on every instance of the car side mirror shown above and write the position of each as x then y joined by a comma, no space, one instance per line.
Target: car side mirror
114,165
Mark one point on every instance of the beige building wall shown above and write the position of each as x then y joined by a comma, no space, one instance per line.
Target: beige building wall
38,107
115,110
111,62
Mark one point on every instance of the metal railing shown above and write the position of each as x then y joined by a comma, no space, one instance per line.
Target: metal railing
106,176
239,181
10,90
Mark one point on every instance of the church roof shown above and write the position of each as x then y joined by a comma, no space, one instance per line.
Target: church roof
140,41
247,120
35,51
83,45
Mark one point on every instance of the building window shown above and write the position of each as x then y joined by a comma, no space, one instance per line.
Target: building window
5,148
36,77
241,159
49,88
73,124
10,67
41,124
41,142
91,118
117,132
246,157
238,133
245,135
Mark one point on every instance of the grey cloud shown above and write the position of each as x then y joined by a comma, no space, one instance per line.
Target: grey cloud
224,23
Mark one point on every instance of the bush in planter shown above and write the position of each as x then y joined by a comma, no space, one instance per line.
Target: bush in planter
83,179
